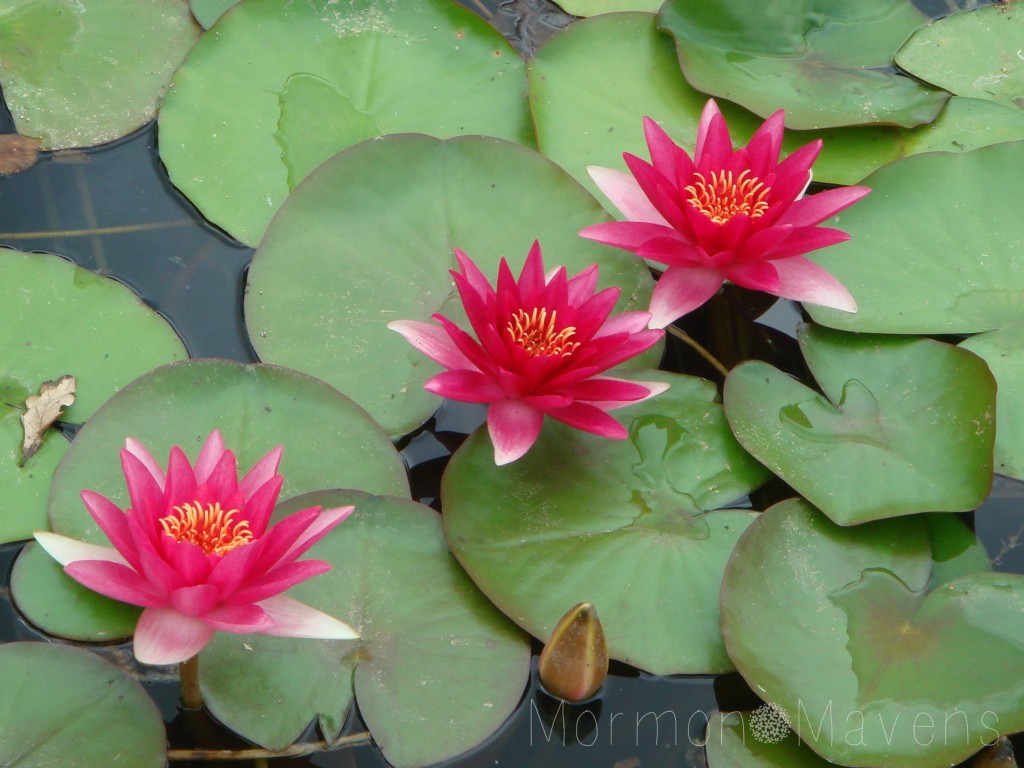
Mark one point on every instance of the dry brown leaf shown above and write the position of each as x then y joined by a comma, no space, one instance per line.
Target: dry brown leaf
17,153
43,409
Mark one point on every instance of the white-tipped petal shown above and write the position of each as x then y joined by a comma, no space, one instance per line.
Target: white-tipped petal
295,619
66,550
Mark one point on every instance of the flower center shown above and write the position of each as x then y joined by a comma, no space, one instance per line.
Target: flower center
210,528
535,332
723,196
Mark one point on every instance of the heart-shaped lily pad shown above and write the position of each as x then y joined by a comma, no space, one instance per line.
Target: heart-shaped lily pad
758,739
81,72
874,661
593,82
328,276
820,60
276,88
975,54
437,668
619,524
904,425
60,319
65,706
326,437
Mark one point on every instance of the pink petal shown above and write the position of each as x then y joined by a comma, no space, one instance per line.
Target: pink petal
590,418
115,581
181,479
324,523
432,342
475,279
145,495
581,286
610,390
222,482
625,194
66,550
714,146
803,280
766,143
465,386
756,275
261,472
138,450
209,456
295,619
653,388
628,234
681,290
260,505
626,322
281,536
806,239
235,567
164,636
707,115
513,427
814,209
195,600
239,619
112,521
278,580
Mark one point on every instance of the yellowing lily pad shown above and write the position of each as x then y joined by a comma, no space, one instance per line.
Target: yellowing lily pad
276,88
904,425
874,660
81,72
632,526
326,437
61,319
436,671
65,706
329,275
822,61
976,54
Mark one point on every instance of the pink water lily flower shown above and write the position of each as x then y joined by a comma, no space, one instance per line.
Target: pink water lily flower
195,552
725,215
540,343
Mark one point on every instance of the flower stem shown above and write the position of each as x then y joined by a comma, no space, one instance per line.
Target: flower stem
686,338
191,696
295,750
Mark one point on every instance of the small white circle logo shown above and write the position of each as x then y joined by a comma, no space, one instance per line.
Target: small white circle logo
769,724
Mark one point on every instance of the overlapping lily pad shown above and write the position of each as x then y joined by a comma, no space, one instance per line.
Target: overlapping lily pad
60,319
820,60
904,425
593,82
594,7
1003,350
331,272
327,440
64,706
208,11
758,739
620,524
437,668
966,124
847,631
270,76
976,54
81,72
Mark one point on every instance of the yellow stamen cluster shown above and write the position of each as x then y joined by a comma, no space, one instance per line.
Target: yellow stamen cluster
535,332
723,196
210,528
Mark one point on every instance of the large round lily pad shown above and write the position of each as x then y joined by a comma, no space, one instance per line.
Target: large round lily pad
60,319
333,270
437,668
875,662
904,425
81,72
327,440
65,706
758,739
822,61
623,525
593,82
276,88
976,54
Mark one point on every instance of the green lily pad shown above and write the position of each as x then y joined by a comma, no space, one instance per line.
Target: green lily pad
1002,350
623,525
758,739
594,7
328,277
208,11
270,75
976,54
593,82
904,425
436,671
99,717
838,628
81,72
820,60
966,124
935,248
327,439
60,319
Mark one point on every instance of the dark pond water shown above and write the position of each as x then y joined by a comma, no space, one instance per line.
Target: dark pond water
112,210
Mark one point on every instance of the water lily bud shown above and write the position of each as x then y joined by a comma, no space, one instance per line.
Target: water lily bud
574,663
